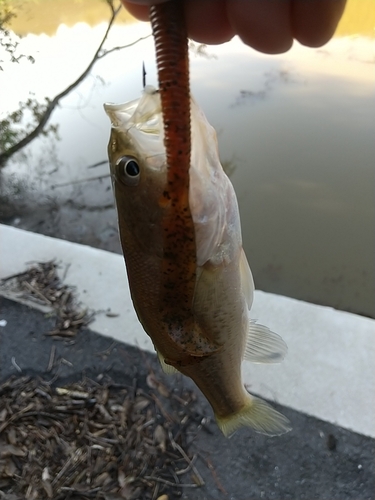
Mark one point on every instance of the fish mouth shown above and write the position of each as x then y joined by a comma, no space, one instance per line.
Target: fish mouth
140,122
140,113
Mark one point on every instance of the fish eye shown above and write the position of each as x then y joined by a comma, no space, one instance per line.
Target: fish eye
128,171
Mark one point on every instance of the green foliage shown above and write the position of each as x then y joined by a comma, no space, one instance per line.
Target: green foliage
12,127
18,124
9,41
20,127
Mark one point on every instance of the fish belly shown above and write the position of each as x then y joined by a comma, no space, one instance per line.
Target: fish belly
220,310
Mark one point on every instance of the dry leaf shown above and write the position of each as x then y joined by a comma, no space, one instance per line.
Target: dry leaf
11,435
151,381
102,478
48,488
10,468
126,492
140,403
107,417
73,394
160,437
9,449
107,444
45,474
10,496
163,390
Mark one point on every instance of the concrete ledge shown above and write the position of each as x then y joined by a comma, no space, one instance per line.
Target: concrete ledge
328,373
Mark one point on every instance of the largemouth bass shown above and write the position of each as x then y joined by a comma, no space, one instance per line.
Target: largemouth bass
206,332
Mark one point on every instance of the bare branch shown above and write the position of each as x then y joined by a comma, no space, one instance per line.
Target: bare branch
99,54
79,181
120,47
98,164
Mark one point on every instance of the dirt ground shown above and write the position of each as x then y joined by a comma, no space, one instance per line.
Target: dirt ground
315,460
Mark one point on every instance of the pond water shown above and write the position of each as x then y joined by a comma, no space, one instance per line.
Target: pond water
296,132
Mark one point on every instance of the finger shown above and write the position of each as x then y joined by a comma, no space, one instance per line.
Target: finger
207,21
263,24
139,11
145,2
314,22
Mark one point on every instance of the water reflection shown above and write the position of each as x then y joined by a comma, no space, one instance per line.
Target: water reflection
44,17
296,130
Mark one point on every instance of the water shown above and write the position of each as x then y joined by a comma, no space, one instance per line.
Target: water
296,131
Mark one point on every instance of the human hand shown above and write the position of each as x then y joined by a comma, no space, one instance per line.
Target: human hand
266,25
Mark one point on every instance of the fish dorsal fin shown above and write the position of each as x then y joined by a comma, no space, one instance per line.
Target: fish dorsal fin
264,346
167,369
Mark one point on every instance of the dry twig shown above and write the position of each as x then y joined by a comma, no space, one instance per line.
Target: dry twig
92,441
41,284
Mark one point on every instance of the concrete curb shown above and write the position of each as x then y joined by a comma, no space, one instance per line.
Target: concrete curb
328,372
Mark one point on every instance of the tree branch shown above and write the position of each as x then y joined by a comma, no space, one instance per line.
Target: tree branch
120,47
53,103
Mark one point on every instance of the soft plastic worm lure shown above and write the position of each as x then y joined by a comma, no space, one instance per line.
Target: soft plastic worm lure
179,268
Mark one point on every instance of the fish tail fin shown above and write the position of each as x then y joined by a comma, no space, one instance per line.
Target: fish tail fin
258,415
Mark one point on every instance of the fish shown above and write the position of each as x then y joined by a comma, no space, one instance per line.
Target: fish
205,337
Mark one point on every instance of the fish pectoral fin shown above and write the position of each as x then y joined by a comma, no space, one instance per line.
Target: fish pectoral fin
264,346
166,367
258,415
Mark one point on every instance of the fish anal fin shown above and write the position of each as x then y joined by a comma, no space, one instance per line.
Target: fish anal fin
258,415
166,367
264,346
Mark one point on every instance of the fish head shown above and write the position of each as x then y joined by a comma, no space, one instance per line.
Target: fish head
138,169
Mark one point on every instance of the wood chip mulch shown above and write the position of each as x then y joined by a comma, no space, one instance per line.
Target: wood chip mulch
41,284
94,440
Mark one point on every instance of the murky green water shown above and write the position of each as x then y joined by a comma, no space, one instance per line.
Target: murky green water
297,131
